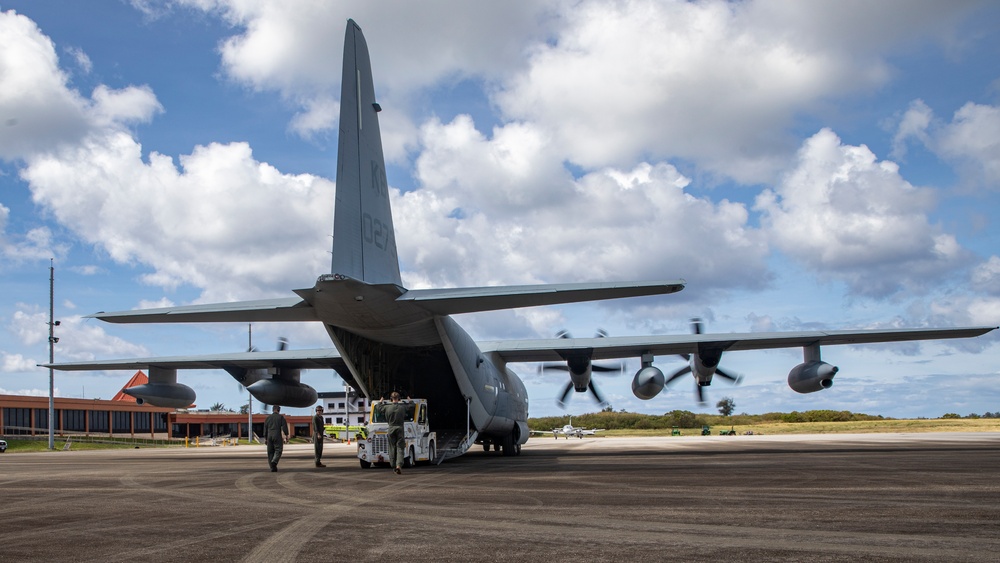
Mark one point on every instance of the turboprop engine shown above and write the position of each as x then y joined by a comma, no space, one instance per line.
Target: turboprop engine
162,390
285,392
580,368
703,364
275,385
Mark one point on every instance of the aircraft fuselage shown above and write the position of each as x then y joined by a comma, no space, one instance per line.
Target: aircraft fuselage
391,345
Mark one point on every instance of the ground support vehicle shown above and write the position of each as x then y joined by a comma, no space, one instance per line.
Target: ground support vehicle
3,446
344,432
421,442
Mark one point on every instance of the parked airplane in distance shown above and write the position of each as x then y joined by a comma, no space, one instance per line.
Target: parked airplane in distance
387,338
569,430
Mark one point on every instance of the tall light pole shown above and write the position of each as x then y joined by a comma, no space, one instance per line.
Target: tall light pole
52,341
347,412
249,395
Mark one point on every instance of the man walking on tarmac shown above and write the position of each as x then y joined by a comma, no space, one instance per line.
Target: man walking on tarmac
319,429
395,415
274,426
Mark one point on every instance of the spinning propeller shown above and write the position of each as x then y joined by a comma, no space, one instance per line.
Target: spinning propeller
253,374
703,365
580,369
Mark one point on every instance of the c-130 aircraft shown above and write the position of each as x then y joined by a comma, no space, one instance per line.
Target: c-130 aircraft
387,338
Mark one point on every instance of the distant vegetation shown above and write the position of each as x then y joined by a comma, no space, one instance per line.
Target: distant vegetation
687,419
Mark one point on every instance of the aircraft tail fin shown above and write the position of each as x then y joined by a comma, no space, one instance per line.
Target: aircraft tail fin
364,240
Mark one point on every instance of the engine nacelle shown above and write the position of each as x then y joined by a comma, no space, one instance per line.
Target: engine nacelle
170,395
809,377
283,392
579,372
648,383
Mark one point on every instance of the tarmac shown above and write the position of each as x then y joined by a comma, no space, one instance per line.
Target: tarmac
871,497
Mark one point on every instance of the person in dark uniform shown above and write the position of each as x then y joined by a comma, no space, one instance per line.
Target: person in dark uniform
319,429
276,435
395,414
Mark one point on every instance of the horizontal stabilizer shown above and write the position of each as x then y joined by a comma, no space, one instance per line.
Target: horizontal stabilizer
475,299
264,310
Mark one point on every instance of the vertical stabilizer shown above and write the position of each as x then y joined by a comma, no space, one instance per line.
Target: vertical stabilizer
364,242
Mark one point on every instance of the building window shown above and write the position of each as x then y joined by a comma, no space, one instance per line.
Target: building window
42,418
16,421
98,421
141,421
120,421
74,420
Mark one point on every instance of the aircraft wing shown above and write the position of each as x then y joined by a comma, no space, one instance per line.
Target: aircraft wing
556,349
323,358
280,309
476,299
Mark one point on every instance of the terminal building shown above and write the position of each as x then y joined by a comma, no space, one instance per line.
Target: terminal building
344,412
344,407
121,417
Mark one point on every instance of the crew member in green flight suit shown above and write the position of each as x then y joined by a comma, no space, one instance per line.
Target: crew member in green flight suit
274,426
395,414
319,429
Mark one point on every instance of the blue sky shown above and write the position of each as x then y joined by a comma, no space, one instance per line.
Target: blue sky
801,165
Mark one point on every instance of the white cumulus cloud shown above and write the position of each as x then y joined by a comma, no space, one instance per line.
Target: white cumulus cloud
221,216
971,140
848,216
495,210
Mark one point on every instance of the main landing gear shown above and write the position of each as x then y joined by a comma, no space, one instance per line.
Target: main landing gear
508,445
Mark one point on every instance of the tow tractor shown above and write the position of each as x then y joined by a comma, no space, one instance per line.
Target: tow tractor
421,443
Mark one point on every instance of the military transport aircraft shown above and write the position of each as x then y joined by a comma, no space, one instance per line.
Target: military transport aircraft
389,338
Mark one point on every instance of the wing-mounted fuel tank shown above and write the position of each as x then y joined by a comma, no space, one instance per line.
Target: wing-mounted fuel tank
162,390
812,374
649,380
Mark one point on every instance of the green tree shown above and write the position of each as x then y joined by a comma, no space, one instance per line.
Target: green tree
726,406
217,407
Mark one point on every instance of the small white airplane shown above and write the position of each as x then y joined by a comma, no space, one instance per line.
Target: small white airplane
570,430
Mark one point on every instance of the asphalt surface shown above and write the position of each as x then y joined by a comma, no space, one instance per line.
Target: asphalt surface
885,497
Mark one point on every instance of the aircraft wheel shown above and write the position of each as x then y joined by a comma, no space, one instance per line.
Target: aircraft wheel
508,445
486,446
496,446
364,464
